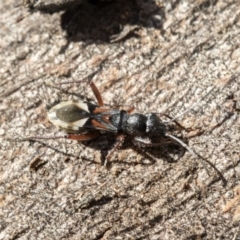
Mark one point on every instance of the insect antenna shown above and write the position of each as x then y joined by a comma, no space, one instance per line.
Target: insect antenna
188,148
182,127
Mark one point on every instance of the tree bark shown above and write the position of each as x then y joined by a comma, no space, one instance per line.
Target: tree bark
180,58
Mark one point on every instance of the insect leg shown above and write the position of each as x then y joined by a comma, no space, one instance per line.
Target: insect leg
119,141
83,137
96,93
78,137
189,150
176,122
131,109
146,142
93,87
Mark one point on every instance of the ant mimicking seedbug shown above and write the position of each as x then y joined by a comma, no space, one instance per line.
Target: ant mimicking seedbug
83,121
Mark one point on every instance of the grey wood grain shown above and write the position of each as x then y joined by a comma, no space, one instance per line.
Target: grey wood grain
173,54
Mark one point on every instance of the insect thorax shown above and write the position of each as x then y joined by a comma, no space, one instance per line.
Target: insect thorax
139,124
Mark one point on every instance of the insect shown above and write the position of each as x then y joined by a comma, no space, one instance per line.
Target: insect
83,121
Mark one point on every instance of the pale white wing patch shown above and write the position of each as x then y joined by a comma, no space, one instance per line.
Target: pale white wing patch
81,105
74,126
80,123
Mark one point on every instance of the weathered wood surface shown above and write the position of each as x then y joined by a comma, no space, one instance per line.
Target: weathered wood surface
177,52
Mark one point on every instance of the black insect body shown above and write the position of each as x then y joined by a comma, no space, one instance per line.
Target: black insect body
79,116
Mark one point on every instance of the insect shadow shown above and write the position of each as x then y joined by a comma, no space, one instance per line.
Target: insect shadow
170,153
101,20
110,21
